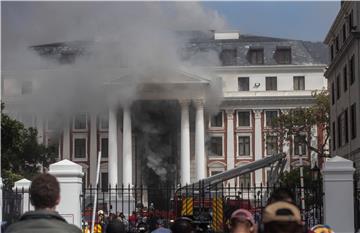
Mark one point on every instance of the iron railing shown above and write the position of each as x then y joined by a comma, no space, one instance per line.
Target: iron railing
168,203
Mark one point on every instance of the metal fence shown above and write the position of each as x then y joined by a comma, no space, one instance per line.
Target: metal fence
12,204
210,206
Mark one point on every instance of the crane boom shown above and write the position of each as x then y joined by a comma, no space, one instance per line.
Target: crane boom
279,160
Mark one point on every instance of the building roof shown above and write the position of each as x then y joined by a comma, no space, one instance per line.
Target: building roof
302,52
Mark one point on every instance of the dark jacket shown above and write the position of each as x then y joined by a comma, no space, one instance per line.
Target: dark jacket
42,221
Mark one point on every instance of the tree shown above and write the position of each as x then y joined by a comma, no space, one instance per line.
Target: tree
300,121
21,154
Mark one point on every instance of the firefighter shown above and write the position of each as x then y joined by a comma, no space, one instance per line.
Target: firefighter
99,226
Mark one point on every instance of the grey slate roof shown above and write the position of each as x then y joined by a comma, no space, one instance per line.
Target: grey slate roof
302,52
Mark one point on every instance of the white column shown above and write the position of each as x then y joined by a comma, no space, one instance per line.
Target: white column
338,186
66,137
200,140
22,187
127,147
40,129
93,148
258,145
69,175
113,153
230,142
185,143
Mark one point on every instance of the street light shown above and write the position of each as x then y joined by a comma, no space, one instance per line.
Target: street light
315,173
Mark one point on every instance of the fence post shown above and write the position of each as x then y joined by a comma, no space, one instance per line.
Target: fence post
22,187
69,175
338,194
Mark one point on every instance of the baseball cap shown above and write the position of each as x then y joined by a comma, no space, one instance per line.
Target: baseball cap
281,212
242,215
322,229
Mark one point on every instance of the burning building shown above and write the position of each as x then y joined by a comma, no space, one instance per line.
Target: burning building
169,124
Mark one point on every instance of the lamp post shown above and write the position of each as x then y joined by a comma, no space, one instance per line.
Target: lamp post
302,194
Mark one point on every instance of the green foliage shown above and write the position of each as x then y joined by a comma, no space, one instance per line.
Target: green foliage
292,178
21,154
299,121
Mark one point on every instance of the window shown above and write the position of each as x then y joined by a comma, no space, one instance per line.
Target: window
80,121
271,83
53,145
346,128
215,172
299,83
344,32
217,120
351,26
299,145
332,52
271,145
338,87
337,44
26,87
345,77
80,148
334,135
104,181
104,121
283,55
244,145
104,147
352,70
270,116
216,146
256,56
245,180
353,121
333,93
243,84
228,57
342,128
244,119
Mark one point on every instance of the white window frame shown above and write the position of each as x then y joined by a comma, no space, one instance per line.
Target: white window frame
214,157
237,146
47,137
237,119
293,148
269,110
103,135
216,167
80,136
266,149
222,122
86,122
251,174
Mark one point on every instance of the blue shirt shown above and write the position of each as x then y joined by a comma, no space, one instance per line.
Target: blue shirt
161,230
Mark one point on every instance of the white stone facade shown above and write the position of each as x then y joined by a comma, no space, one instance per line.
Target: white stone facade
202,147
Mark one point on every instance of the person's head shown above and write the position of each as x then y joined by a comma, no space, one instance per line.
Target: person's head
115,226
282,217
321,229
281,194
121,215
242,221
183,225
160,223
44,192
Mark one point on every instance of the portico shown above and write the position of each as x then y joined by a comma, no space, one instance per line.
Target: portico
187,95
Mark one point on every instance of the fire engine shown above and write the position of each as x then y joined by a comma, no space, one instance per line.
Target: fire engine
210,203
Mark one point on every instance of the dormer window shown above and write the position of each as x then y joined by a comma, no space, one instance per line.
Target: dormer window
228,57
256,56
283,55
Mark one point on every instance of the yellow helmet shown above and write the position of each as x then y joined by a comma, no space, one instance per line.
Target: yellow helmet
322,229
